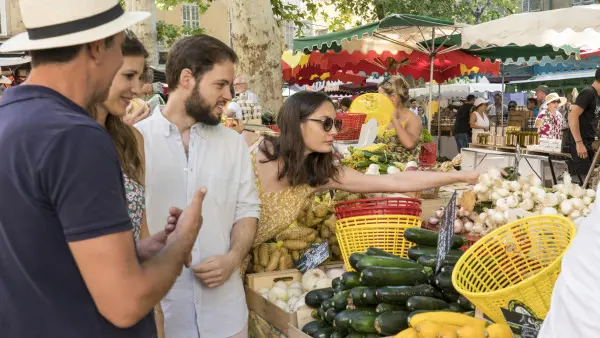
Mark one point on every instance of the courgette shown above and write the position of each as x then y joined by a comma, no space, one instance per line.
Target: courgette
444,281
400,294
379,252
321,313
340,300
465,303
342,319
314,326
330,315
364,322
368,297
451,296
350,280
354,296
417,251
431,261
387,307
425,303
338,334
427,237
376,276
336,282
385,261
362,335
327,304
315,298
447,269
455,307
390,323
323,332
354,258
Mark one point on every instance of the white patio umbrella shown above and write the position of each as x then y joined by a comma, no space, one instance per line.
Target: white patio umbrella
572,29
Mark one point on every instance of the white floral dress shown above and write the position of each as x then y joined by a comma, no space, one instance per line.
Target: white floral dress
136,204
551,124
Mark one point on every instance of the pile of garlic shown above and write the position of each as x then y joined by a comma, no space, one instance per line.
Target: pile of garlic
525,197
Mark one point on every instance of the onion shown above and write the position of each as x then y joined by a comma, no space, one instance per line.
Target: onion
439,212
469,226
506,185
566,207
586,211
477,228
535,181
281,284
482,217
515,186
495,174
567,179
549,211
264,290
278,293
550,200
310,278
458,226
575,214
335,273
576,191
485,180
498,218
578,204
434,220
282,304
526,195
590,193
296,284
294,292
527,204
323,283
512,202
292,301
300,303
480,188
558,187
503,192
587,200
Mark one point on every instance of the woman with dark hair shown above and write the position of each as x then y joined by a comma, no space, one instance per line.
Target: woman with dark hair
129,143
345,104
300,162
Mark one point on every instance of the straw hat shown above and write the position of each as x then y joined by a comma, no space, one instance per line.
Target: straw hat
479,101
63,23
554,97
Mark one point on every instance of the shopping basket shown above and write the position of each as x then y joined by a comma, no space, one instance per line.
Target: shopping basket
386,232
428,154
379,206
351,126
515,264
273,127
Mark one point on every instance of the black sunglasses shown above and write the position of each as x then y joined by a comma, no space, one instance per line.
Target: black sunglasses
329,123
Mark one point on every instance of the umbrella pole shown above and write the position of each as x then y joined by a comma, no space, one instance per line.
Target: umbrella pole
439,119
431,59
502,107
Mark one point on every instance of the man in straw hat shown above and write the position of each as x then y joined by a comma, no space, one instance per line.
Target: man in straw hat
70,267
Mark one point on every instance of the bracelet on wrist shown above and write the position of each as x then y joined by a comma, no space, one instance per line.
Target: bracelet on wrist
580,141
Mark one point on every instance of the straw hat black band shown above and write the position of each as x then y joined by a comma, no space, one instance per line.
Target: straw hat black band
76,26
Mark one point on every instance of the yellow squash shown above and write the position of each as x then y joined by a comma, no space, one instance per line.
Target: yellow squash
471,332
408,333
498,331
428,329
447,318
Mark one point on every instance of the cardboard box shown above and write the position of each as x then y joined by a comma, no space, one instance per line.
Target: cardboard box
270,312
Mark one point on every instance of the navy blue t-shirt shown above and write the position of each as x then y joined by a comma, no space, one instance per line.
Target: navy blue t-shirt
60,182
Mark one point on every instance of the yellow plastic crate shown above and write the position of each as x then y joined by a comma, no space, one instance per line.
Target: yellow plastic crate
517,262
386,232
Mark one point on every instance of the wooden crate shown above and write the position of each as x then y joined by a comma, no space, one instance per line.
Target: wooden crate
270,312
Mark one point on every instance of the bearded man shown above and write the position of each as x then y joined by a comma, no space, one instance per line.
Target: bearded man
186,148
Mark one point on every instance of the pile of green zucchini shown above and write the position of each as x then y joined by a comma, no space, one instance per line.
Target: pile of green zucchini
385,291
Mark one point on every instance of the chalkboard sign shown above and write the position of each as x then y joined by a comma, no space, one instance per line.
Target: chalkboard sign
313,257
446,232
521,324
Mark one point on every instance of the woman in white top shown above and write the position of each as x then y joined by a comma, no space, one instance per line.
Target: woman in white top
479,120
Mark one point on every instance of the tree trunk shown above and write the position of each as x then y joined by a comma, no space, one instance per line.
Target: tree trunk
257,41
146,30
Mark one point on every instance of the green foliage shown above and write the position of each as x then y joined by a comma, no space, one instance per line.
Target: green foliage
169,33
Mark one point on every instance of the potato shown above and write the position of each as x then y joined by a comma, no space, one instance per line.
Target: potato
255,257
295,255
258,268
273,261
295,244
325,233
263,254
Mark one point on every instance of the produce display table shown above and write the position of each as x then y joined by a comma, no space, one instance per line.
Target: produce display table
537,163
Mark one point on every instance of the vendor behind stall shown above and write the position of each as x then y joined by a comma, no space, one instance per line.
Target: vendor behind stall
479,121
406,123
532,106
549,121
583,121
462,127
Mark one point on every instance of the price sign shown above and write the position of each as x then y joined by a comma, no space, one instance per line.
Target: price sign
521,324
446,232
313,257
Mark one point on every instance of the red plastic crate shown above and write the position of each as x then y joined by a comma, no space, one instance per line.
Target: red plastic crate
428,154
351,126
273,127
378,206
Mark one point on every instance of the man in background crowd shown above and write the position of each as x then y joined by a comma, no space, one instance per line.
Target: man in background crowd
540,95
345,104
582,123
414,107
240,84
462,127
497,112
532,106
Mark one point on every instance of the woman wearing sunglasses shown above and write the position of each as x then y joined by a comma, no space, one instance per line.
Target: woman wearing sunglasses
549,121
300,162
